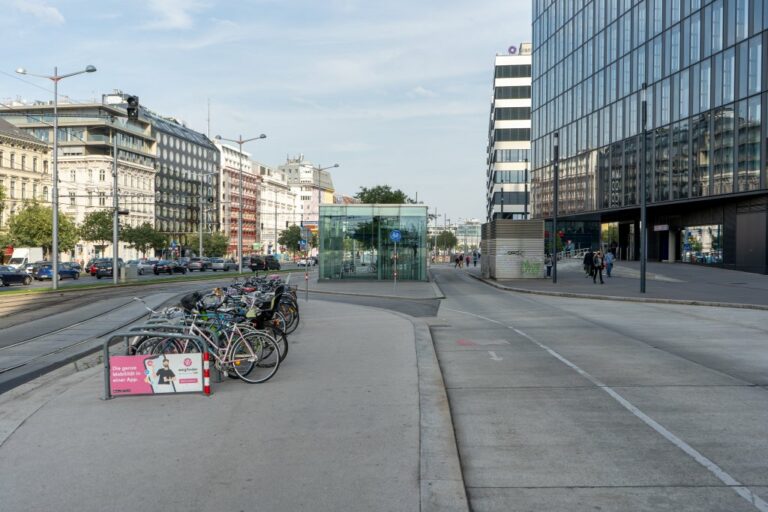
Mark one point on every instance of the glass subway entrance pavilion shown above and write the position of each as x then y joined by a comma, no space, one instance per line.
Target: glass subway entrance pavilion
357,242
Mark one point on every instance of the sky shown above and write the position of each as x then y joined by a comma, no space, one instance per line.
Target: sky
397,92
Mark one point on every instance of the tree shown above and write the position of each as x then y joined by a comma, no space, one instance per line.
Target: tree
97,228
382,194
446,240
33,227
143,238
290,238
2,200
214,244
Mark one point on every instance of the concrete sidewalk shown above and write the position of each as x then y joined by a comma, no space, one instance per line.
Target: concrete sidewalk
665,282
338,428
362,287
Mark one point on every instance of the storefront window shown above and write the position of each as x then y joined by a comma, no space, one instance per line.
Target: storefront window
703,244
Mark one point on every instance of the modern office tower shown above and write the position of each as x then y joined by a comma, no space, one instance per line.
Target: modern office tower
699,67
279,207
509,136
187,170
87,132
232,163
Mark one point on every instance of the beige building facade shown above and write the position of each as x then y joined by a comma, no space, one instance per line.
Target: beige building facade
279,207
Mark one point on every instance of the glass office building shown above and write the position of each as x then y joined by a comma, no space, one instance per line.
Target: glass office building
360,242
703,63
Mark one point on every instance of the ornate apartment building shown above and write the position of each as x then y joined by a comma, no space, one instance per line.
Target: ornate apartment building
24,170
279,207
232,163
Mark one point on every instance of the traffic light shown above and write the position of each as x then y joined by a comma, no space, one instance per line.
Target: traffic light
133,107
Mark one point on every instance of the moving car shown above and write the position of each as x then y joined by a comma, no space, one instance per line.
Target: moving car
223,264
169,267
183,261
104,268
10,275
45,271
201,264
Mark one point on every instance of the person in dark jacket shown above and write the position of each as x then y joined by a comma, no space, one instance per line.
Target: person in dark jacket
588,265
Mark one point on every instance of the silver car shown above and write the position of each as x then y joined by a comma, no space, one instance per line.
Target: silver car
223,264
146,266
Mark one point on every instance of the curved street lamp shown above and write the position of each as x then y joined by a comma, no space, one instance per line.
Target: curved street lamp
240,141
55,78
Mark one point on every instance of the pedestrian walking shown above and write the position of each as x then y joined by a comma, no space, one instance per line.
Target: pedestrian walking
598,267
467,260
609,258
474,259
588,263
456,261
548,264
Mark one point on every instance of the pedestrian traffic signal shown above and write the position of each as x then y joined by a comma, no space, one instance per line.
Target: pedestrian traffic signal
133,107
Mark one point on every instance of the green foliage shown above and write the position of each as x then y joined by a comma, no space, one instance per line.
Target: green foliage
143,238
290,238
2,199
446,240
382,194
548,245
33,227
214,244
97,228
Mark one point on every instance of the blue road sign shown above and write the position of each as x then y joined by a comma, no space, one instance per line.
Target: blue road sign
173,244
302,244
395,235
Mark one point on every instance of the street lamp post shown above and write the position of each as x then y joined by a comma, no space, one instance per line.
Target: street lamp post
55,78
240,141
643,219
526,189
554,237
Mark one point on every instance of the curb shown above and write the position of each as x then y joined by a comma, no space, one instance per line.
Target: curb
398,297
441,480
649,300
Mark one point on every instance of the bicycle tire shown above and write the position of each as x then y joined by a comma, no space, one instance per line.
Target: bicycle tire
249,351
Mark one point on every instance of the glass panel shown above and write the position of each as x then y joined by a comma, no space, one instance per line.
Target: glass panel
723,125
717,26
702,244
680,160
700,145
661,167
749,145
630,171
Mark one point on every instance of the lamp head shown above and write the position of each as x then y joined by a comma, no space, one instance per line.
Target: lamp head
21,71
90,69
263,136
218,137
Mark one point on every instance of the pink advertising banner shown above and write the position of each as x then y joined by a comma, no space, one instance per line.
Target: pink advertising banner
156,374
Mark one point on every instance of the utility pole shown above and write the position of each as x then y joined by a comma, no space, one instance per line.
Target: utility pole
554,236
115,204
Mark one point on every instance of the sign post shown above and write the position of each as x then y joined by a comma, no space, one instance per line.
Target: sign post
395,236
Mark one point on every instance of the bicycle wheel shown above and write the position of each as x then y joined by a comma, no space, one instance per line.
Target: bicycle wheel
292,319
158,345
249,352
278,336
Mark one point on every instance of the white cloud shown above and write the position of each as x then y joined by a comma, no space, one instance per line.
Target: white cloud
421,92
41,11
173,14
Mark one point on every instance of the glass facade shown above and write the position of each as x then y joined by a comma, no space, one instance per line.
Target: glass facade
356,242
704,66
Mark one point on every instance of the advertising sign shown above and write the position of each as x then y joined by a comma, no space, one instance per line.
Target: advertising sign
156,374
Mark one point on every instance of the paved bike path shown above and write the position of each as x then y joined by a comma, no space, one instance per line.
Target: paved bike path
336,429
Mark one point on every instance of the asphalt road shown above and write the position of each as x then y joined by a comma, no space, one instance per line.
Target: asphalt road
576,404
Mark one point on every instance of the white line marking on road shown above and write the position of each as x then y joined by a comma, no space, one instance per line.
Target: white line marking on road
494,356
713,468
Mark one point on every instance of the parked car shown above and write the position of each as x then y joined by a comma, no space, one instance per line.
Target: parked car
303,262
271,262
223,264
201,264
93,265
255,263
147,265
10,275
169,267
45,271
31,266
104,268
183,261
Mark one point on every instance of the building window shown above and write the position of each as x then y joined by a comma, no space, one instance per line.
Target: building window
23,162
512,114
512,134
71,199
90,198
23,190
72,176
13,160
34,163
516,92
102,175
102,199
45,166
518,71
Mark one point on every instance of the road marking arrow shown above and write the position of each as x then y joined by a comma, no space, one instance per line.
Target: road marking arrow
494,356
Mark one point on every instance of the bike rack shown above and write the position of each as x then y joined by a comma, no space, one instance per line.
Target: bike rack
132,333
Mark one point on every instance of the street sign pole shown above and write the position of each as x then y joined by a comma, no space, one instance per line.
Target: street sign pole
395,236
